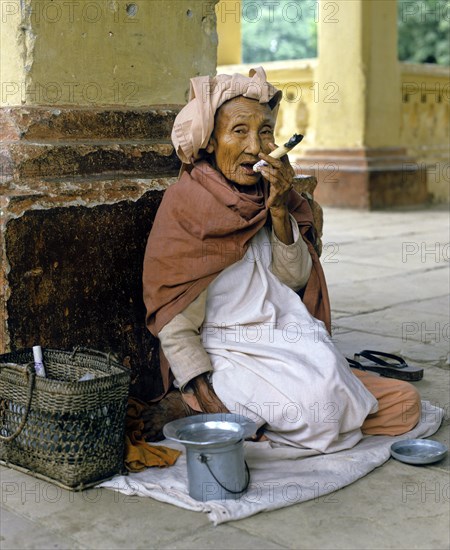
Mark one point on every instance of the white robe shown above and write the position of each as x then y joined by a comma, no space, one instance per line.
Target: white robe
275,363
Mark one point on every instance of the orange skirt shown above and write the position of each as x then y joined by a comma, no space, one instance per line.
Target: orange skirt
399,405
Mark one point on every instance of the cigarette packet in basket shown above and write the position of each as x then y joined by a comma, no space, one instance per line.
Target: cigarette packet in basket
58,428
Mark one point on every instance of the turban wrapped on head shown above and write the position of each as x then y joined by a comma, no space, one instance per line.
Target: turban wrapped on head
195,122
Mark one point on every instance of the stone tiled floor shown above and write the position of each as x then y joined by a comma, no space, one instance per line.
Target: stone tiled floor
389,285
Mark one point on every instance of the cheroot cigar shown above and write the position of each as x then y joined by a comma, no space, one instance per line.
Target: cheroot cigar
280,151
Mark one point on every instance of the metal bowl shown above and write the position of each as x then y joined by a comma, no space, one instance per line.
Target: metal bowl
418,451
210,429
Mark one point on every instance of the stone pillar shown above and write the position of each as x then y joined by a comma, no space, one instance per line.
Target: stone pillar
229,17
89,92
357,154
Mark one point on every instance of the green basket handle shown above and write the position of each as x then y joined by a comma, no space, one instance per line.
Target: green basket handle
31,374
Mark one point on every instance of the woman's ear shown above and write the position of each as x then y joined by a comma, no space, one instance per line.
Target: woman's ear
210,148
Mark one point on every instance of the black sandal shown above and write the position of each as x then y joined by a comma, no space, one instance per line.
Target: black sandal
374,363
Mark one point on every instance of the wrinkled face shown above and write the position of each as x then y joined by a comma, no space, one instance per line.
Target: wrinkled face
244,128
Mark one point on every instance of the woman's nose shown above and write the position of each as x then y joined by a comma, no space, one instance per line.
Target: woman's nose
253,145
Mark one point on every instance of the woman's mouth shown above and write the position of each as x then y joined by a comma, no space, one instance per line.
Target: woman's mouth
248,168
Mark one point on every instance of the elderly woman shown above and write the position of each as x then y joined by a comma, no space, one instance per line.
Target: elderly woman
235,291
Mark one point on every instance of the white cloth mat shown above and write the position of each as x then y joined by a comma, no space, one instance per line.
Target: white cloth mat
280,475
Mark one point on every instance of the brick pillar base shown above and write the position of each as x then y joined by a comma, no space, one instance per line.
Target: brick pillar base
365,178
79,191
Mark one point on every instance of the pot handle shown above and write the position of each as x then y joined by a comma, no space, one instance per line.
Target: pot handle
204,460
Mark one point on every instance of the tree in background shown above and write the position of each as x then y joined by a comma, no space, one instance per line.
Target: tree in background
273,31
423,31
287,29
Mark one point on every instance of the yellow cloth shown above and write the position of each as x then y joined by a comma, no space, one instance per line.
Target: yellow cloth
138,453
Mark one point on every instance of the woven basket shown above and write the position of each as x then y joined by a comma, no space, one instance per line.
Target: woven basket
60,429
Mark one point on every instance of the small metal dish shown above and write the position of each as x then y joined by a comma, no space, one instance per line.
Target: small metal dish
209,429
418,451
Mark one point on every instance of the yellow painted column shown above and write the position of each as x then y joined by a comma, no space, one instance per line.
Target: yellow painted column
89,91
358,76
356,150
106,52
229,15
13,60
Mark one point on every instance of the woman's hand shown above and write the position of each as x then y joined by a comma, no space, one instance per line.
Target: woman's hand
280,175
206,396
